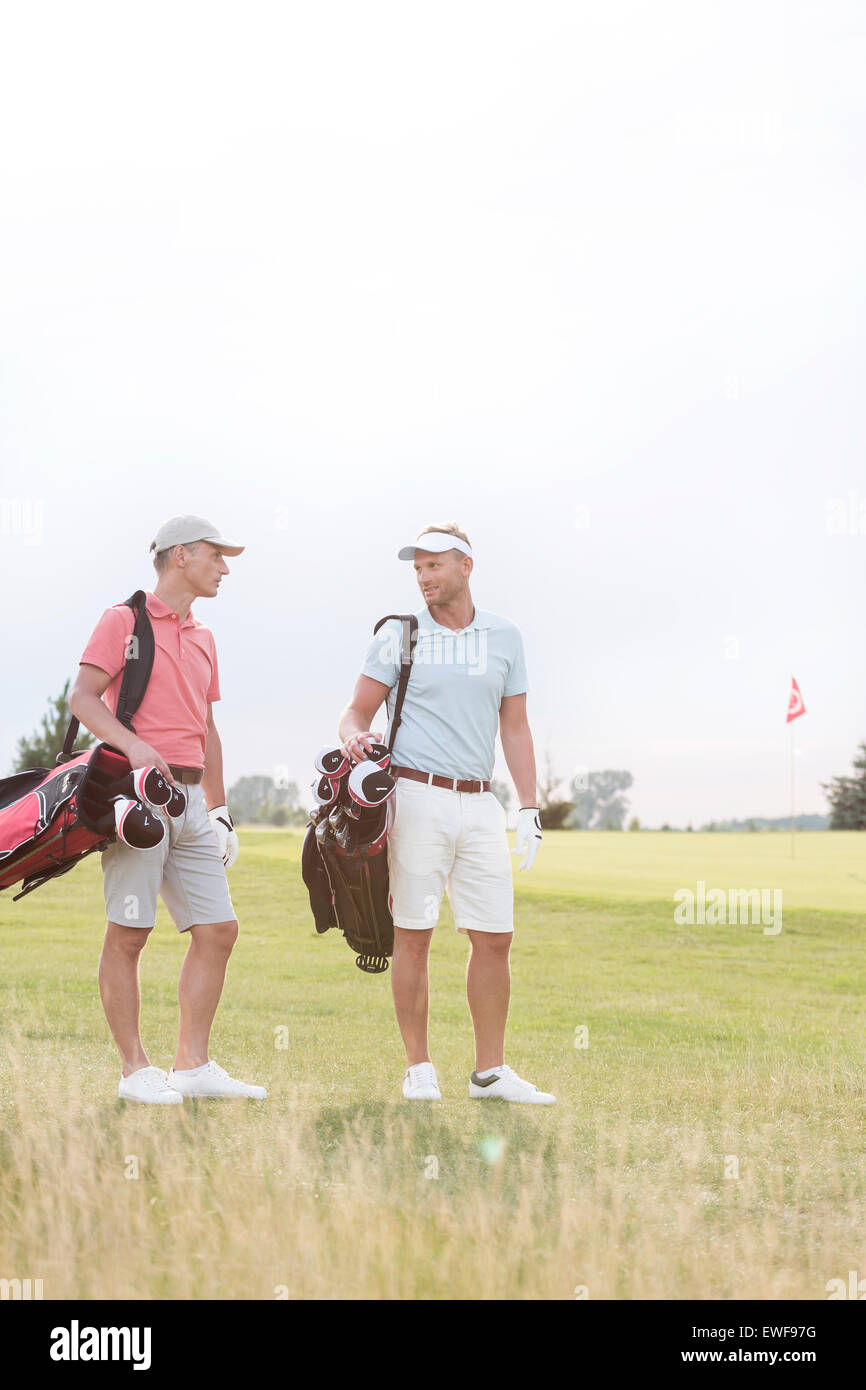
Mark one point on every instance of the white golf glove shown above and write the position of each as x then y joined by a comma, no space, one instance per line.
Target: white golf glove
528,836
226,834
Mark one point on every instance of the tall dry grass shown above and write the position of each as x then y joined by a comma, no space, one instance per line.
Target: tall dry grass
388,1201
710,1050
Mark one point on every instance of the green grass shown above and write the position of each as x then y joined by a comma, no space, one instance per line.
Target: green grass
707,1044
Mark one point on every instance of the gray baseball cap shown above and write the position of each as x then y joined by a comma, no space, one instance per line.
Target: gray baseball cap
184,530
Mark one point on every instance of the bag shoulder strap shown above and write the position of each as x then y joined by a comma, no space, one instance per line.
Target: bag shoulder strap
136,673
407,655
139,661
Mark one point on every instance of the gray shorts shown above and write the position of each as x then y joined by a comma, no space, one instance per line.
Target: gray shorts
186,869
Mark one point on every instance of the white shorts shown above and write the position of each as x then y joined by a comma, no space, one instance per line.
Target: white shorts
186,868
442,840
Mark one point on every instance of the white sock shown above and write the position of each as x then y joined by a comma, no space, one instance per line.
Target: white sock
490,1071
193,1072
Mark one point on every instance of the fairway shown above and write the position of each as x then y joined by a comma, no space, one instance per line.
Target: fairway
708,1140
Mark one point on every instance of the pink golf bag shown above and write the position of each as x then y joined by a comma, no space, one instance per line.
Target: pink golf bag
52,818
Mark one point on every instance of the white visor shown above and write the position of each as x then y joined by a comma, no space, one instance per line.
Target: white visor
435,541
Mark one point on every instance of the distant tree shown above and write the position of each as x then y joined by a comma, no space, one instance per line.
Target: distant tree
690,826
601,805
42,747
287,810
758,824
248,795
553,809
555,815
258,798
665,826
634,823
847,796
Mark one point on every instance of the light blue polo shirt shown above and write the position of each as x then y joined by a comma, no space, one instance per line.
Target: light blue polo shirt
451,711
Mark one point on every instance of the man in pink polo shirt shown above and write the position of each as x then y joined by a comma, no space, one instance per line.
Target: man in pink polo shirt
174,731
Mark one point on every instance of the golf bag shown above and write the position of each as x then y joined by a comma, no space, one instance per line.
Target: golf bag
52,818
344,862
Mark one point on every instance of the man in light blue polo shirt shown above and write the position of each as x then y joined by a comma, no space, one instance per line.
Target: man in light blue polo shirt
468,680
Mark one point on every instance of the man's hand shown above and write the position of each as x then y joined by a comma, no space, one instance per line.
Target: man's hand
227,838
85,703
358,746
528,836
140,754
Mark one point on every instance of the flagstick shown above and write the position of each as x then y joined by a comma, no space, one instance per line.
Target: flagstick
791,790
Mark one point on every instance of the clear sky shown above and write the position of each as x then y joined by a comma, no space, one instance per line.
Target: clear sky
587,278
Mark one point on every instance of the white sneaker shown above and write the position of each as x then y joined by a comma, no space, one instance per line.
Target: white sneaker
149,1086
420,1082
505,1084
212,1081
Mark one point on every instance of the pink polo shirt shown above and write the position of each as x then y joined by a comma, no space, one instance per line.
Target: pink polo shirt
172,717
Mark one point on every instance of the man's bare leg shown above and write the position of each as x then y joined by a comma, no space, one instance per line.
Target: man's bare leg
411,988
488,990
199,988
120,993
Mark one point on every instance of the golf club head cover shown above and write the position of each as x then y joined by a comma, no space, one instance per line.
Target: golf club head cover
176,804
137,824
379,754
227,837
331,761
148,784
325,790
369,785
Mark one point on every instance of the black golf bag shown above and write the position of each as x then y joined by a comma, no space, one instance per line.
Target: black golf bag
344,860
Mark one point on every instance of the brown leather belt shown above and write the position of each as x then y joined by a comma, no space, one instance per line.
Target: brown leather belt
190,775
452,784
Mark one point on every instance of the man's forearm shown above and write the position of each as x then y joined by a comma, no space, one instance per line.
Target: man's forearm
519,753
351,722
212,778
95,715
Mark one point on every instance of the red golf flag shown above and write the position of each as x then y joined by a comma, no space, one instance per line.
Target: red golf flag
795,702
